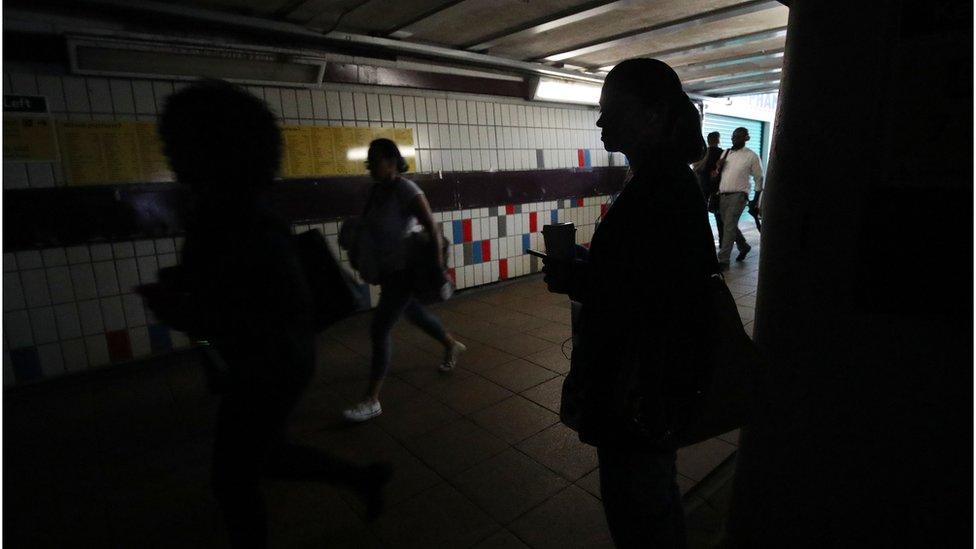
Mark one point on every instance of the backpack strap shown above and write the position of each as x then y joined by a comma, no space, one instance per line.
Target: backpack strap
369,199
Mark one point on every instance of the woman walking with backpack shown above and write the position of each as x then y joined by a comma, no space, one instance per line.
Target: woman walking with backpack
396,206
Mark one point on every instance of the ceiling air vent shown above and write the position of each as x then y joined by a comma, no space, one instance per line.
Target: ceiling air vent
155,59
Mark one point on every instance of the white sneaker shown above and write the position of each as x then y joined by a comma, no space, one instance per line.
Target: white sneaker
451,356
363,411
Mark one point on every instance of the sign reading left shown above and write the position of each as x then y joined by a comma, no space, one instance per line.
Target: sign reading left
31,104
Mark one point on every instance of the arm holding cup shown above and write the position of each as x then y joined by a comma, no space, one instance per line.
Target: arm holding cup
565,262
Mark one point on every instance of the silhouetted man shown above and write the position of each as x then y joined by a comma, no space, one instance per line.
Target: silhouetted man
241,286
709,184
736,166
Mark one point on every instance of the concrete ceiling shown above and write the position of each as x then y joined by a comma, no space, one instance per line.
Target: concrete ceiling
581,33
708,41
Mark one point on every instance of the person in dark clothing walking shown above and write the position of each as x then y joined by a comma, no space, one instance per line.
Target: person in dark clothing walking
643,289
708,184
242,288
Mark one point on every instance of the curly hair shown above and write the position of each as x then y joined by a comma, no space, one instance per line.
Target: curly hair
217,135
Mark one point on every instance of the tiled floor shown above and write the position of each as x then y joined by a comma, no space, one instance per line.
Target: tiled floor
481,459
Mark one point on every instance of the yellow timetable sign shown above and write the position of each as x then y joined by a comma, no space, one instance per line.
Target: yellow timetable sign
95,153
324,150
29,139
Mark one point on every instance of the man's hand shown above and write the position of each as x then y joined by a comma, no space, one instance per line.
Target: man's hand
754,204
558,275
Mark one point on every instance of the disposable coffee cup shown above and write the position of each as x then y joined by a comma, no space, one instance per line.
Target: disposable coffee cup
560,240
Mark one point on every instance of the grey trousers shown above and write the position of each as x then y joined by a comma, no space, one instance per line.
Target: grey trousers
730,207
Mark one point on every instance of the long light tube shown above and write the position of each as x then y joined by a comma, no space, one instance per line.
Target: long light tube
564,91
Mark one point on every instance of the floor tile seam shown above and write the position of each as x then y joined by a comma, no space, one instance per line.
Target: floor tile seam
514,394
493,532
515,447
543,382
551,470
374,526
457,487
713,475
537,506
466,414
519,356
547,368
460,472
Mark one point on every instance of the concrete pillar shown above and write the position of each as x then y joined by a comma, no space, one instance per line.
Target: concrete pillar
864,306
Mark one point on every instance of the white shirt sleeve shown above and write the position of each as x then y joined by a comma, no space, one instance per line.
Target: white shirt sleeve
757,173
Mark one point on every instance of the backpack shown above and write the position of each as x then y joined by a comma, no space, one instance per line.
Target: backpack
335,292
429,279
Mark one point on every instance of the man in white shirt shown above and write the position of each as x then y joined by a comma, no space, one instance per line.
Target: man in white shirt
736,165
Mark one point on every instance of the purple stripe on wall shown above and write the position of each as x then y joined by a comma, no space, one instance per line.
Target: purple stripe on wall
35,218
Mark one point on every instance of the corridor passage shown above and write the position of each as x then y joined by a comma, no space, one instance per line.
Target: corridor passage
481,458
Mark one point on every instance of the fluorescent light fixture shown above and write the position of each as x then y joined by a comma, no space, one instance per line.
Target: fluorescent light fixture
564,91
142,58
360,153
608,68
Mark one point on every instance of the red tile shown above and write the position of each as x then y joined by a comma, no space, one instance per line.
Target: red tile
579,202
581,157
466,224
451,273
502,269
119,346
509,209
603,209
533,222
486,250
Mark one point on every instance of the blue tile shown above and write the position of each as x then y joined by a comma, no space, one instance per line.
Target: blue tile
586,158
476,255
159,338
525,242
27,365
458,231
554,216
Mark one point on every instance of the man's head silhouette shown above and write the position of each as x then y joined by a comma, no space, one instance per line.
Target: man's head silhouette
220,139
739,138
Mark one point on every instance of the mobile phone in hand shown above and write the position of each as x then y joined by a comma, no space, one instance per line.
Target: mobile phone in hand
536,253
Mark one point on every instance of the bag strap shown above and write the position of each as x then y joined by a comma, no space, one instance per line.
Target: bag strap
720,165
372,194
369,199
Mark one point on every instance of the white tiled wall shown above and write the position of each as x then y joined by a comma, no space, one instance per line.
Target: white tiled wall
69,309
453,132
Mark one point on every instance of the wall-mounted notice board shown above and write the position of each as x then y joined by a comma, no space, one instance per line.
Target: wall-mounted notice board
29,139
324,150
99,153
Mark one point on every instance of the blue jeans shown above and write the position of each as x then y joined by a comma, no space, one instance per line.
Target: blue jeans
396,298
